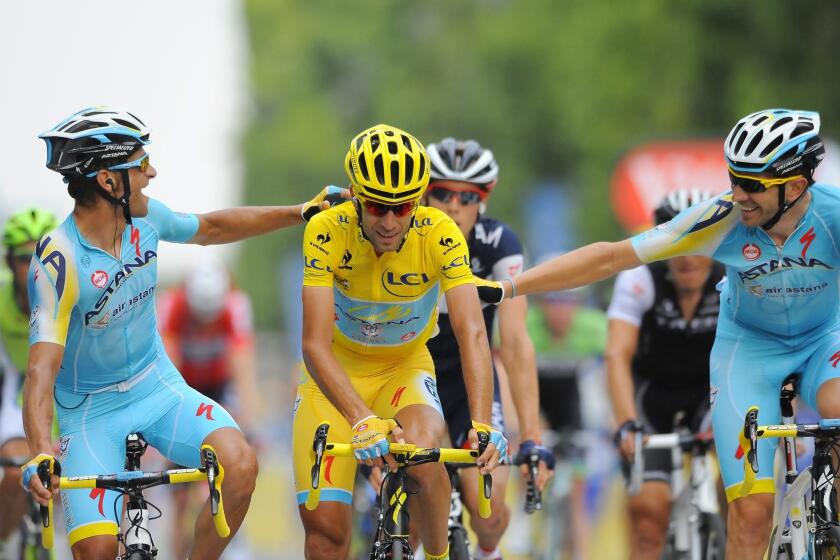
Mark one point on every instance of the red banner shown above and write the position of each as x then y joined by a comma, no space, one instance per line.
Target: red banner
647,173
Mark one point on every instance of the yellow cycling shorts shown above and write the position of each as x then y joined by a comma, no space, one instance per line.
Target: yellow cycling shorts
386,388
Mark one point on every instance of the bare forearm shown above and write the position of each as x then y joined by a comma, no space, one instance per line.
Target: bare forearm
244,367
235,224
578,268
476,363
38,410
621,388
520,362
334,383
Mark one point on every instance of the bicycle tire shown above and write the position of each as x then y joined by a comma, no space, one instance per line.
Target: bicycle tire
830,548
712,537
458,549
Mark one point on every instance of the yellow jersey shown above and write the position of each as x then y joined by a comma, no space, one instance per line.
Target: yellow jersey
385,306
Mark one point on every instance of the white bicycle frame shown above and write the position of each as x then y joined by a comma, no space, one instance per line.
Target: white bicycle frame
692,496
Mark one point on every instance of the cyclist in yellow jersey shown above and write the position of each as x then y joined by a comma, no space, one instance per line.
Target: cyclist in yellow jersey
373,273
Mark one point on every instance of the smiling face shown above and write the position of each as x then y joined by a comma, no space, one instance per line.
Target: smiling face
383,226
757,208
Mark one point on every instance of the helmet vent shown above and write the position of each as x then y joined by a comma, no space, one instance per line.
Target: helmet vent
359,141
393,148
374,142
409,168
760,120
395,174
406,142
84,125
740,141
363,169
771,146
755,141
422,167
802,129
126,124
379,169
780,122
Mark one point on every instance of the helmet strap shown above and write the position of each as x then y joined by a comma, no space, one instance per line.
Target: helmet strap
783,207
122,200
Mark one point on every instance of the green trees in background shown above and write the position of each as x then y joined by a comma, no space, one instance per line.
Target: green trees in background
558,89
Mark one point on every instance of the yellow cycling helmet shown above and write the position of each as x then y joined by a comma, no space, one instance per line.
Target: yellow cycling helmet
387,165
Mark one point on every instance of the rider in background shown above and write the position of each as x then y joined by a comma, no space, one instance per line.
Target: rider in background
776,232
20,234
569,338
207,329
463,174
663,317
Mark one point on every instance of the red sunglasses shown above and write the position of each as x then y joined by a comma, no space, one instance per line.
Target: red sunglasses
379,210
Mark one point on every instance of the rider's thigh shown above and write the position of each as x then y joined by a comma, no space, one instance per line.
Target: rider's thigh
101,547
819,385
746,370
327,530
469,491
422,425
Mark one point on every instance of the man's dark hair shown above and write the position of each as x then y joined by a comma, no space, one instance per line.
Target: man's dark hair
83,190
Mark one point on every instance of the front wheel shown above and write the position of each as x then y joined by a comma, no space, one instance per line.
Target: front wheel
830,546
458,547
712,537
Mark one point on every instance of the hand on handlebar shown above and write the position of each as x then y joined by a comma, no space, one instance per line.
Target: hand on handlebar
370,440
496,448
546,462
31,482
625,438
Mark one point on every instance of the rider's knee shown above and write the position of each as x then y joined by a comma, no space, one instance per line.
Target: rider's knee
243,468
495,524
828,399
750,518
101,547
327,536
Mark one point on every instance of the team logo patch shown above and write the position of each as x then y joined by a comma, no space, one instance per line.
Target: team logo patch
99,278
362,428
751,251
408,336
63,446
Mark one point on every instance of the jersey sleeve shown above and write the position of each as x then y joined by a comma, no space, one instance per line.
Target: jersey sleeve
698,230
510,259
632,296
53,292
323,242
177,227
450,254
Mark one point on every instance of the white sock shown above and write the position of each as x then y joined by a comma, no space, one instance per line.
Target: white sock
481,554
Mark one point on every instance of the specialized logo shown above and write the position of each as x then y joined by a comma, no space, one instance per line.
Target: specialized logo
99,494
135,240
722,208
408,336
56,261
345,260
806,240
206,410
785,263
835,359
119,277
328,463
395,400
99,278
751,251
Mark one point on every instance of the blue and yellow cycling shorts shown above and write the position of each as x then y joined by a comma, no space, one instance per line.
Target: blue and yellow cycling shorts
156,403
747,368
386,387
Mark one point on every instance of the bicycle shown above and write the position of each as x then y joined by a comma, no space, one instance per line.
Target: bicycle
30,525
804,527
695,529
391,541
137,540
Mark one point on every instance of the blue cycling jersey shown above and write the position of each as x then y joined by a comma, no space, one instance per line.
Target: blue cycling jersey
100,308
789,291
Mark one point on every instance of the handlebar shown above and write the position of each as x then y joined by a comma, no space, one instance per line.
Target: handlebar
405,454
684,440
211,471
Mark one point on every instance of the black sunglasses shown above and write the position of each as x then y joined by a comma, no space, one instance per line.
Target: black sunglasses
445,195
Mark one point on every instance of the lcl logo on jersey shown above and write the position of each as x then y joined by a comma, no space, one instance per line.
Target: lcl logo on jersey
751,251
99,278
403,285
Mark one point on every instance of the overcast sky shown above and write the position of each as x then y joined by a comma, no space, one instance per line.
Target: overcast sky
181,66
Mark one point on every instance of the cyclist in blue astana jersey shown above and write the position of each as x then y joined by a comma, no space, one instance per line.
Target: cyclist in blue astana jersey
777,233
94,342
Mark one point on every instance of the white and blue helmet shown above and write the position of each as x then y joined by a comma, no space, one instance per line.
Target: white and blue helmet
781,141
93,139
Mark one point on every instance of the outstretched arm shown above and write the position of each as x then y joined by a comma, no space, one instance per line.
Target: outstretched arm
580,267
